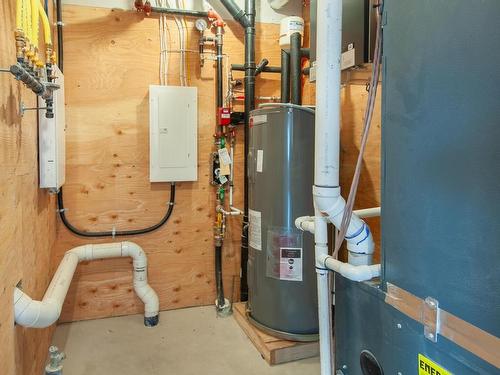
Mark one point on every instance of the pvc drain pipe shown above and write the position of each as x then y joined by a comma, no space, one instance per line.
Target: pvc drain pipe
41,314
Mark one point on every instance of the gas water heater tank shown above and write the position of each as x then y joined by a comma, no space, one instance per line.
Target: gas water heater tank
281,273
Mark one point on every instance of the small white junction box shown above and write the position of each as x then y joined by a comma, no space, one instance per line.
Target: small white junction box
173,130
52,140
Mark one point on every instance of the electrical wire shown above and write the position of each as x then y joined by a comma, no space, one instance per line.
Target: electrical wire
133,232
370,107
163,33
180,33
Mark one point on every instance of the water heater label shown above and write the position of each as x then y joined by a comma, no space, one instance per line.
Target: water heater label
428,367
291,263
255,229
258,119
260,160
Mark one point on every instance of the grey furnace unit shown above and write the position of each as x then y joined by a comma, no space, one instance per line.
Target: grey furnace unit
281,274
440,200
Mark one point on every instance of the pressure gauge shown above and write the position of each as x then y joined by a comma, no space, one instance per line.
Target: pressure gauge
201,24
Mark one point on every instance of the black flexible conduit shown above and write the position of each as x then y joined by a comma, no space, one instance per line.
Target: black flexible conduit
60,200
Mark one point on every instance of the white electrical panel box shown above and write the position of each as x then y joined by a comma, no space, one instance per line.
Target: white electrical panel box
173,130
52,140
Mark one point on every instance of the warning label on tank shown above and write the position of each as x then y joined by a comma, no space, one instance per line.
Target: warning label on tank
291,263
255,229
284,254
428,367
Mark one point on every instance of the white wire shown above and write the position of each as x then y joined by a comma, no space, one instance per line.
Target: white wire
180,4
181,41
162,26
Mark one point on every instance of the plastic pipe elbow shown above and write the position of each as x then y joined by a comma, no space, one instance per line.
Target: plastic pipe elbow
35,314
330,203
150,299
349,271
305,223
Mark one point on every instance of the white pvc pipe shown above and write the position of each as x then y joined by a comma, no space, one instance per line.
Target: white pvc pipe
329,204
324,308
368,212
352,272
41,314
305,223
327,120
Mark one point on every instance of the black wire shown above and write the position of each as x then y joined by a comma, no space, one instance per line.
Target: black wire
60,51
60,200
134,232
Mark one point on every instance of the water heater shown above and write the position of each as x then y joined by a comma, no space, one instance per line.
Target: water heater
281,273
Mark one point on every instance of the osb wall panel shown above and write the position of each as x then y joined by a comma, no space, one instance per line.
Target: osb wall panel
111,57
27,215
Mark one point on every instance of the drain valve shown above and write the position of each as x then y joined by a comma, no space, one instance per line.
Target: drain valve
55,366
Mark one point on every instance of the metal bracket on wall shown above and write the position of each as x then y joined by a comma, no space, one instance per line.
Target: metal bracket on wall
23,108
430,318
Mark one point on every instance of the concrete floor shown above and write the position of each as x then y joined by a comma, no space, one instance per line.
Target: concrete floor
186,342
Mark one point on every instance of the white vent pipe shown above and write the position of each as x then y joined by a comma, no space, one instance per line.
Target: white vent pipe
329,204
41,314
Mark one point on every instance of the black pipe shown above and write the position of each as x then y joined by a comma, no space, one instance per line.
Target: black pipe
238,14
305,52
260,66
249,106
218,240
295,68
60,199
219,44
285,76
218,277
60,50
247,20
180,12
265,69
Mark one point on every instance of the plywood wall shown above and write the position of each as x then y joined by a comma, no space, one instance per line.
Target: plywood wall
27,215
111,57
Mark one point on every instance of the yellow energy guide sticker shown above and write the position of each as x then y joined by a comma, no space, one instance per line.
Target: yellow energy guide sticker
428,367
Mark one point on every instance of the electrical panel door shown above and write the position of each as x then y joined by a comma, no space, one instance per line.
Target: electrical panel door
173,128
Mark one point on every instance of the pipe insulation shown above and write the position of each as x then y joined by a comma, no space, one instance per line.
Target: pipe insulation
285,76
295,68
41,314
